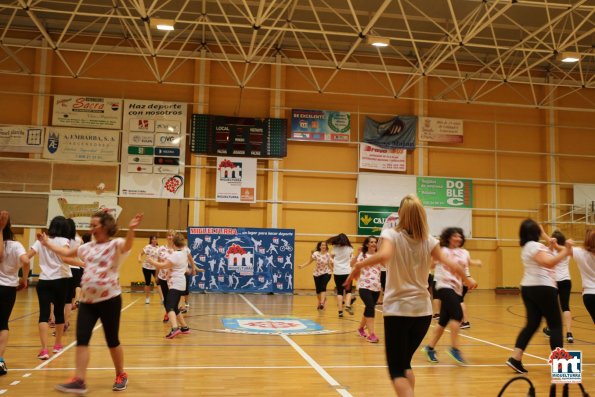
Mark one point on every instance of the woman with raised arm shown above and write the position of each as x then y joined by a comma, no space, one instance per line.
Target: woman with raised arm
322,271
101,295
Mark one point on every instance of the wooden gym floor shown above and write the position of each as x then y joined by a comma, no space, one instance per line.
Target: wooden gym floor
209,362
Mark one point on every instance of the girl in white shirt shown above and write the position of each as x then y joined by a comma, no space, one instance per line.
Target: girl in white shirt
342,253
585,259
538,290
177,264
407,252
322,271
12,257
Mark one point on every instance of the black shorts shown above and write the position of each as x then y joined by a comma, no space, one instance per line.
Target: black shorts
450,306
148,273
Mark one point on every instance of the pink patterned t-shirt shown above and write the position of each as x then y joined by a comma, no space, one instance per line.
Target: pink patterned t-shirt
100,280
370,276
322,263
151,252
163,252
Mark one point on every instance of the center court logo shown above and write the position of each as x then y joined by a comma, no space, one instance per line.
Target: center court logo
566,366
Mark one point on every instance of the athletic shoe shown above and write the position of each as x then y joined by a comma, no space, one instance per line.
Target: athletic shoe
455,354
121,382
362,332
58,348
340,313
430,354
183,309
372,338
516,365
465,325
546,331
349,309
187,304
569,337
165,318
74,385
43,354
320,307
147,301
185,330
3,368
173,333
436,316
353,299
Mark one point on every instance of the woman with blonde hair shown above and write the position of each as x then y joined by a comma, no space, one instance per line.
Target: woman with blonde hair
407,251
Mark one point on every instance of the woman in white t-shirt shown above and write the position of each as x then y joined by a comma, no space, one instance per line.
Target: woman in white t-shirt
538,290
342,253
322,271
53,284
12,257
177,264
101,294
407,252
585,259
150,251
163,252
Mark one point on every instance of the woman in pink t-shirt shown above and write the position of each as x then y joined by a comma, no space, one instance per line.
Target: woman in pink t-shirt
322,271
101,295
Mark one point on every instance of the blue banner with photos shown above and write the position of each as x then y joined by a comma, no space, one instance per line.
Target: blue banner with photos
242,259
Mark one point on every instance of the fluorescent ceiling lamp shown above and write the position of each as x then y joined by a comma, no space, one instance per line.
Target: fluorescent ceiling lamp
569,57
378,41
162,24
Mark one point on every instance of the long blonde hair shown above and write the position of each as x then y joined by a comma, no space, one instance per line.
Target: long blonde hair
412,218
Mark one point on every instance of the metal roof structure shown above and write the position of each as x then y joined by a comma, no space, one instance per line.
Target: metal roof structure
473,48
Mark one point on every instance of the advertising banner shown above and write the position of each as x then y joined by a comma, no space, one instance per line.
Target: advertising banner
376,158
153,149
372,218
320,125
80,206
242,259
440,130
81,144
445,192
236,180
398,132
21,138
87,112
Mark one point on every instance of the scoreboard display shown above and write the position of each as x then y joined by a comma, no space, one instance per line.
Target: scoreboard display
238,136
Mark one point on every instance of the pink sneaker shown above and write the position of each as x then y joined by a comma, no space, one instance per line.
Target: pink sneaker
173,333
43,354
372,339
362,333
58,348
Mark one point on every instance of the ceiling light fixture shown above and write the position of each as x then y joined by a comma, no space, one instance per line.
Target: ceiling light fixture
162,24
378,41
569,56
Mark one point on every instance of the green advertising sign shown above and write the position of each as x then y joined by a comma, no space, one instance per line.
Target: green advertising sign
445,192
371,218
141,150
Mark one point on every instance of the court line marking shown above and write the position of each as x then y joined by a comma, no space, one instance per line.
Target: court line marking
317,367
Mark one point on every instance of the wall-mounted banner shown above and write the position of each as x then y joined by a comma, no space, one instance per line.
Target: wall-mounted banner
376,158
88,112
398,132
372,218
236,180
21,138
440,130
81,144
80,206
238,136
320,125
153,149
242,259
445,192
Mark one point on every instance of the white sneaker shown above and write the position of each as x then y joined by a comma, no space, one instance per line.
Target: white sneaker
147,301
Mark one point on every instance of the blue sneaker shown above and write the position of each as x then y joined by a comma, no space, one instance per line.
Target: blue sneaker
455,354
430,354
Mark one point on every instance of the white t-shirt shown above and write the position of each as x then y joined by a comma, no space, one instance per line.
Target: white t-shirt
445,278
100,280
406,292
177,279
370,276
561,269
534,273
150,251
11,262
342,259
586,264
52,267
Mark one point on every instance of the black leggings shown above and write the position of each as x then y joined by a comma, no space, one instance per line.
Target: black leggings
52,291
339,280
402,336
164,289
321,282
73,283
369,298
188,281
589,301
172,300
148,273
8,296
541,301
564,288
450,306
108,312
